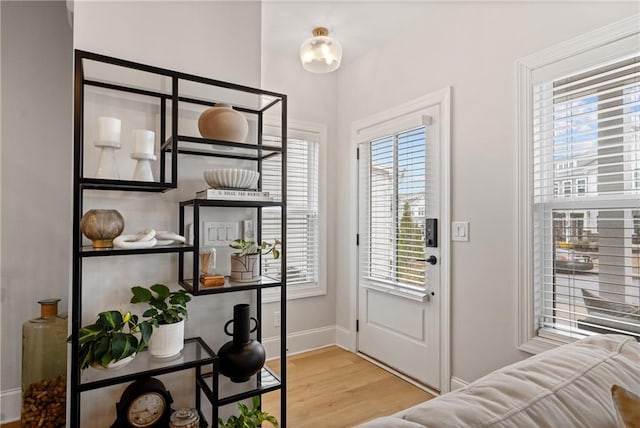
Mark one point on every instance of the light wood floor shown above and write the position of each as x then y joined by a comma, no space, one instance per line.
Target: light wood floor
333,388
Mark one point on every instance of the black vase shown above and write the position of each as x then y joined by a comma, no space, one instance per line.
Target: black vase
242,357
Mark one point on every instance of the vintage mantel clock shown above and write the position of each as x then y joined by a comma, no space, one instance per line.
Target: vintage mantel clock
145,403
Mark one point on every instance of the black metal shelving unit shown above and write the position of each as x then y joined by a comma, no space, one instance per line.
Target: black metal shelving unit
197,354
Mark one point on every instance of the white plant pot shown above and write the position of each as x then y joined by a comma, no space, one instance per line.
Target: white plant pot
167,340
245,268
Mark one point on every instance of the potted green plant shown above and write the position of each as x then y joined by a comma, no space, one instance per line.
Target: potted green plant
248,418
113,340
245,262
167,314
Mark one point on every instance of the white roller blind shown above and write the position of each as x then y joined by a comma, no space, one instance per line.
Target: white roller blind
302,211
586,160
392,202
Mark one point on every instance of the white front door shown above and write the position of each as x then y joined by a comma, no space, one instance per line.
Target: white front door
398,291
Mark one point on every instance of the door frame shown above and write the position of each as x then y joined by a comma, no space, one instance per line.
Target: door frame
442,99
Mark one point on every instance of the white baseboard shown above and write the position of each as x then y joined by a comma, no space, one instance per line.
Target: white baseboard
457,383
343,338
301,341
10,405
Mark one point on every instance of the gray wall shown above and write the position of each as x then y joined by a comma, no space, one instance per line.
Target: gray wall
36,168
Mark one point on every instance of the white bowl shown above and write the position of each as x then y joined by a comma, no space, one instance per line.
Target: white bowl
231,178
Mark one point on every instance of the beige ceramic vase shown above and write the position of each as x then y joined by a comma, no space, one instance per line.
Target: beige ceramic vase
101,226
222,122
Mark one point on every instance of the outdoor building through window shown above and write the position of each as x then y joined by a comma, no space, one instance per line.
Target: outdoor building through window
393,182
586,199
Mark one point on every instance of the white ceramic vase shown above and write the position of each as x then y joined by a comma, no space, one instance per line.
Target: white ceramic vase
222,122
167,340
245,268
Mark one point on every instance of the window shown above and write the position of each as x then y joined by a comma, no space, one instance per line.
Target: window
581,268
394,176
305,221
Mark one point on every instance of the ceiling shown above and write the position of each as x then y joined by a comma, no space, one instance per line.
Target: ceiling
357,25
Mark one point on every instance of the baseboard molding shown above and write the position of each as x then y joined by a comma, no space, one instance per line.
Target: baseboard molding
301,341
457,383
10,405
343,338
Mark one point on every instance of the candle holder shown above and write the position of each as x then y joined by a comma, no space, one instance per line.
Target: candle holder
144,143
108,141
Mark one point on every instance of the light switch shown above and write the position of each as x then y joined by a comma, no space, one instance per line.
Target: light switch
218,234
213,235
460,231
222,234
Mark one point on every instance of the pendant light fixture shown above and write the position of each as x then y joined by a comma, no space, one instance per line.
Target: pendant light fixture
321,53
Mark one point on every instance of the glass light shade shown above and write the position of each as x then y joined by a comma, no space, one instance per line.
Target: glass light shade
321,54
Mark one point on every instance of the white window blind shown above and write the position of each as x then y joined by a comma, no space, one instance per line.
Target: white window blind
302,211
392,191
586,152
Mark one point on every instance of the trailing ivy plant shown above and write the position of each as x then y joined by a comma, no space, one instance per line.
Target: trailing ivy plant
248,418
167,307
112,337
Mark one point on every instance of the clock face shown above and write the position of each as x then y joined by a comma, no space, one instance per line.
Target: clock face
146,410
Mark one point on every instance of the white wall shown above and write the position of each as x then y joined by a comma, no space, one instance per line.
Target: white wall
36,174
471,47
310,98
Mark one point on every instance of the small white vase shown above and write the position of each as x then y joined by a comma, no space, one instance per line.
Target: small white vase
222,122
167,340
245,268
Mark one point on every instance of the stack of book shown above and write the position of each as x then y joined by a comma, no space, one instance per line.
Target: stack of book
234,195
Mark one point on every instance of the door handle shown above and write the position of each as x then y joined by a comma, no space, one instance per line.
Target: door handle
432,260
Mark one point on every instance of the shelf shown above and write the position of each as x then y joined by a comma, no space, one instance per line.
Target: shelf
229,392
229,286
126,185
219,148
229,203
88,251
195,353
172,101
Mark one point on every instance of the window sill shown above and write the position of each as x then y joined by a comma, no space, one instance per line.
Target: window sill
545,340
298,291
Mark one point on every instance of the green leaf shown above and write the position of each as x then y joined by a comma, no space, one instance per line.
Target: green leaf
140,294
149,313
123,345
158,304
276,254
111,320
161,290
105,359
255,401
102,347
146,329
85,356
172,316
89,333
